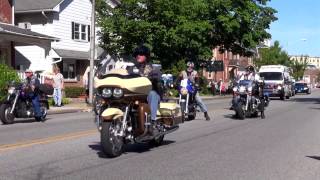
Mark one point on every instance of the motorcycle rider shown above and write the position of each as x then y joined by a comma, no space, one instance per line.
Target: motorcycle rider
145,69
250,74
193,76
31,87
258,85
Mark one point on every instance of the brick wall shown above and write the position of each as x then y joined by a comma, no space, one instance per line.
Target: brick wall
6,11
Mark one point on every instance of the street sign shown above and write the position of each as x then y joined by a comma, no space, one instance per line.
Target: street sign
214,66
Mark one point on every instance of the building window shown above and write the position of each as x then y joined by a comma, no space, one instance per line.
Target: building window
80,32
69,71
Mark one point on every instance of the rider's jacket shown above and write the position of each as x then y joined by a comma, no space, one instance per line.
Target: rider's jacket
31,84
146,70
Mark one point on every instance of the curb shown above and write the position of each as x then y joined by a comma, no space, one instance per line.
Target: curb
64,111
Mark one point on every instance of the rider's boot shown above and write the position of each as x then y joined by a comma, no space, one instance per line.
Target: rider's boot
206,115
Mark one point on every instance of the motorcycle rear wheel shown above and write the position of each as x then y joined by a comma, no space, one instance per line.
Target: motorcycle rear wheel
112,145
5,115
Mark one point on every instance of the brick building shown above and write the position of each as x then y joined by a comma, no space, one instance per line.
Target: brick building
233,64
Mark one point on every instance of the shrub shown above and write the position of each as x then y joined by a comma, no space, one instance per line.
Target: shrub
74,92
64,101
7,74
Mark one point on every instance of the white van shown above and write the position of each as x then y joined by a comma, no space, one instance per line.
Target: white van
277,80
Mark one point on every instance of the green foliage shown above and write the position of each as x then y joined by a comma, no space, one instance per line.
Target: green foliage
298,67
64,101
273,56
7,74
188,29
177,68
318,77
204,86
74,92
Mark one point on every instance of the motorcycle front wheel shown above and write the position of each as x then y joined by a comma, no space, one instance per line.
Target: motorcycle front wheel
112,145
240,111
5,115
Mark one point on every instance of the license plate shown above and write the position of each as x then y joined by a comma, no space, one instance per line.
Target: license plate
275,91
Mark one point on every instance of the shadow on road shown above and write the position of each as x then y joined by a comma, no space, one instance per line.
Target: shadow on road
130,148
30,120
314,157
308,100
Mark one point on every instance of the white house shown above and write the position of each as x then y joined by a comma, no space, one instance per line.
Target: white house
68,20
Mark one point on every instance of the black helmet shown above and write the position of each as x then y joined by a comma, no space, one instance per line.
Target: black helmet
190,64
142,50
250,68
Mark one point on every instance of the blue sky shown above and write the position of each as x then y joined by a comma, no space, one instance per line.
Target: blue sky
298,26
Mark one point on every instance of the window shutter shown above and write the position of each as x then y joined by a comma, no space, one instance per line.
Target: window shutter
89,35
72,29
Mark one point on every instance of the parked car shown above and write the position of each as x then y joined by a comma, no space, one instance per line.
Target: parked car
302,88
318,85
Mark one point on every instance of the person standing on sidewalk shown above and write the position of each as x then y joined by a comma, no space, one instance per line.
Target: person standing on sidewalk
193,76
58,86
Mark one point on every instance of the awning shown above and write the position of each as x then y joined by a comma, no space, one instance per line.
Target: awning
81,55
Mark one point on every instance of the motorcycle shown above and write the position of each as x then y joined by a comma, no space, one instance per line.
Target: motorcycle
245,103
123,114
187,100
19,105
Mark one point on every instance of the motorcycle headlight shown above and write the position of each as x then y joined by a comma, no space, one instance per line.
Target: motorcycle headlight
184,91
106,92
249,89
242,89
11,90
235,89
279,87
117,92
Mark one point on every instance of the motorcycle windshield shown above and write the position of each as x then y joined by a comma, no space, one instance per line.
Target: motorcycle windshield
246,83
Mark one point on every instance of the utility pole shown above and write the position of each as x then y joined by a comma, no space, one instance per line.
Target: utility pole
92,49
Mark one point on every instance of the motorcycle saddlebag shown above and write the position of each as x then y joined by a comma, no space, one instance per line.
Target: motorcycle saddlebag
170,113
46,89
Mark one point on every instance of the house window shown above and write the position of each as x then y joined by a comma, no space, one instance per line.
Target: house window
80,32
69,71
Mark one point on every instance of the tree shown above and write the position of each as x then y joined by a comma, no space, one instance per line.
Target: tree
298,67
188,29
273,56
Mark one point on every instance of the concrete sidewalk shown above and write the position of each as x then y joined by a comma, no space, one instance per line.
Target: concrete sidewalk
79,105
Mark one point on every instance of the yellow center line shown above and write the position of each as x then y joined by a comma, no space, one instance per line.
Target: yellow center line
48,140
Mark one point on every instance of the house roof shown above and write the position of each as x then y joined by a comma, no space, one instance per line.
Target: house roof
14,30
23,6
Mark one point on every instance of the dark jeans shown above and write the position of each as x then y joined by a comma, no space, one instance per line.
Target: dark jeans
36,104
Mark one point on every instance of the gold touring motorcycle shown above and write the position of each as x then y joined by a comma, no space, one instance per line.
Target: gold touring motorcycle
123,114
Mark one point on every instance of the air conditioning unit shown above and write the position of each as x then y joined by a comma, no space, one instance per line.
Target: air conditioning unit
24,25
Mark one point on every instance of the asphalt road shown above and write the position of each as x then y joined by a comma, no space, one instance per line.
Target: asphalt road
285,145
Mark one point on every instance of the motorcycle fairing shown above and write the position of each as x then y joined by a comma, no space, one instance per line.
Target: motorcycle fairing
111,113
139,85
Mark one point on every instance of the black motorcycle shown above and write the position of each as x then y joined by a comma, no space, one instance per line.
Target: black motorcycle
248,100
19,105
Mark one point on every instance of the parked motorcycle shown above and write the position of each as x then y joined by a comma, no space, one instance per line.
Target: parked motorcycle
187,99
246,102
19,105
123,114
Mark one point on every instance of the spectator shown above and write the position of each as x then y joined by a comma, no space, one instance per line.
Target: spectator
58,85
